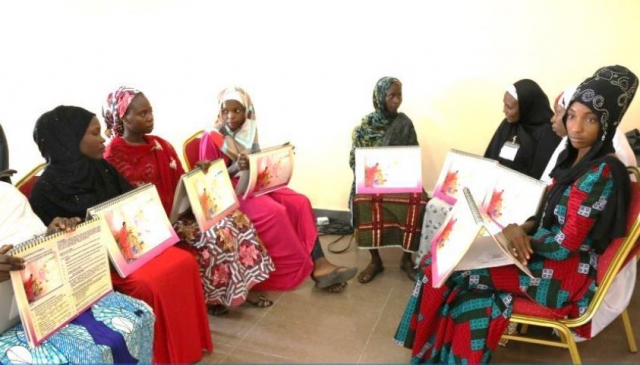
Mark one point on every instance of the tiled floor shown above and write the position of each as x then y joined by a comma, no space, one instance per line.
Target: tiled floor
308,325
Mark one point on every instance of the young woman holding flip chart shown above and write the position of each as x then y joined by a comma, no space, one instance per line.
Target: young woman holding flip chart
232,259
283,218
400,224
585,208
77,178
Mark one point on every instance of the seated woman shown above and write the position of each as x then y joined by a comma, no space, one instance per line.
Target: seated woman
19,223
400,225
142,158
76,178
283,218
524,141
585,208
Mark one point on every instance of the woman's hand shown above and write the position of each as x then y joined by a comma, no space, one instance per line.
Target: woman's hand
63,224
204,165
243,162
8,263
519,241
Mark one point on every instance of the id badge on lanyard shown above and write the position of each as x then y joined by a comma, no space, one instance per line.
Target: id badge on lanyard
509,149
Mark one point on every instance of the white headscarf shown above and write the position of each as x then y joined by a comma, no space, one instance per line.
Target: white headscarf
244,138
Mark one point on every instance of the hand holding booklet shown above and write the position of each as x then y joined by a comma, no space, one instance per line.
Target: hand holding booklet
269,170
64,275
139,225
469,239
210,195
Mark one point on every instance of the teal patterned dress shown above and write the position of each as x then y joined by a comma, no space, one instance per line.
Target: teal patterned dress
462,321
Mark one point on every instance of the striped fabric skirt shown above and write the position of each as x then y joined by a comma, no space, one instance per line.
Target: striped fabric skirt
389,220
231,257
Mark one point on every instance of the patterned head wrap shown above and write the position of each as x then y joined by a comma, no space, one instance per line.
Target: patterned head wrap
116,107
608,94
380,95
246,136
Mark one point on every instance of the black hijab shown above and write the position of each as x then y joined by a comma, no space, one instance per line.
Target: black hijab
71,182
608,94
533,132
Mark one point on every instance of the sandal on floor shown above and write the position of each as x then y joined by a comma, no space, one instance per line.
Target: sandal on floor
217,310
368,274
260,302
335,277
336,288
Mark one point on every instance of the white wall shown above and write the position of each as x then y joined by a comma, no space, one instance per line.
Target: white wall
310,66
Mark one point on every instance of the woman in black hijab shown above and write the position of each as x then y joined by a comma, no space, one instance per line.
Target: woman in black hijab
524,141
72,181
77,178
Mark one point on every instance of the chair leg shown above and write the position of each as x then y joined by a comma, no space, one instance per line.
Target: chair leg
567,337
629,331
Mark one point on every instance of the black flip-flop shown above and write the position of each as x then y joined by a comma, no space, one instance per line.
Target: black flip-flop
335,277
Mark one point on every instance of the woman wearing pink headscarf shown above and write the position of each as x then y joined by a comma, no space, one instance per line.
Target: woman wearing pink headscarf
283,218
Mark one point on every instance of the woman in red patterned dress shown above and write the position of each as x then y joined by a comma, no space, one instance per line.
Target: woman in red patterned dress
586,207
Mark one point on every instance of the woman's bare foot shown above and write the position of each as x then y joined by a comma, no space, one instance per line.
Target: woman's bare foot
406,264
370,272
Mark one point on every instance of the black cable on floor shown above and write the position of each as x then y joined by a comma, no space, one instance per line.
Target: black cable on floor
336,228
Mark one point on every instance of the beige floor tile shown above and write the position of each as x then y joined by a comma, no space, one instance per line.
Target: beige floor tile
306,341
220,351
241,356
229,329
383,350
391,314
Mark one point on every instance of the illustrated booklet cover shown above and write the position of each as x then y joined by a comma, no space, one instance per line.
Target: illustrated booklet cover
460,170
269,170
469,239
392,169
64,275
139,225
211,196
514,197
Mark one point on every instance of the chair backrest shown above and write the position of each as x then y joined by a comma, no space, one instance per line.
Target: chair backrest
25,185
191,150
619,252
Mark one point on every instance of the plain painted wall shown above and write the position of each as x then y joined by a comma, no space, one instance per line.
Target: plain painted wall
310,67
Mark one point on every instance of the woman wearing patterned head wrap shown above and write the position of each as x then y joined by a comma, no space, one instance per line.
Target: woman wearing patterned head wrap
620,142
142,158
585,209
283,218
400,225
77,178
524,140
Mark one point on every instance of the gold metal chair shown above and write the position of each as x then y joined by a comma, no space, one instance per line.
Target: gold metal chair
25,185
191,150
618,254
